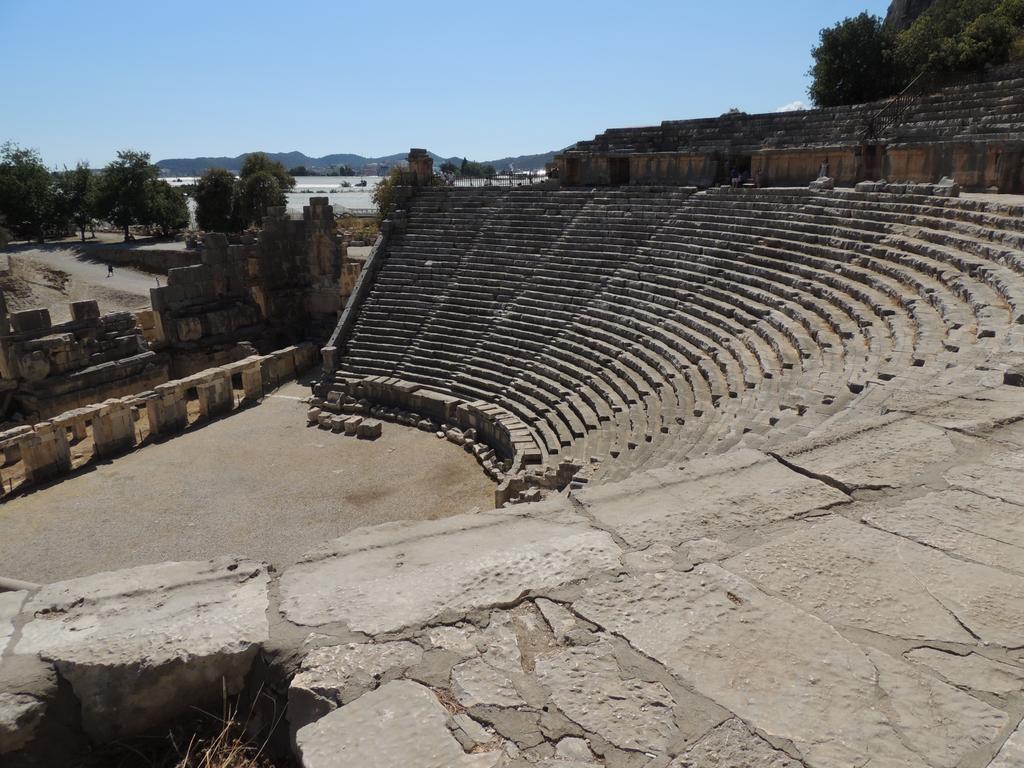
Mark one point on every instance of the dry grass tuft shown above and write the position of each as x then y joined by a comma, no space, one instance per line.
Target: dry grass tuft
205,740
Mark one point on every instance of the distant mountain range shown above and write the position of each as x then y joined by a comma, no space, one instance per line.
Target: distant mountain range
194,166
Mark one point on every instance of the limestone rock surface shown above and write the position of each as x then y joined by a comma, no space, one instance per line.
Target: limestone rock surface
839,704
852,575
964,524
972,671
709,496
587,685
395,576
335,675
1012,753
732,745
400,724
10,607
888,453
142,645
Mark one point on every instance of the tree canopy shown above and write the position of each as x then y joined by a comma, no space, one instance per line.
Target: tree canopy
26,191
262,184
217,201
75,197
124,190
963,35
167,208
861,59
853,63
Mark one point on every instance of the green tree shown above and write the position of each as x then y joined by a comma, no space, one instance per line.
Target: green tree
386,194
168,209
962,35
258,162
124,190
449,167
299,170
853,63
259,191
26,191
216,196
262,184
476,170
75,197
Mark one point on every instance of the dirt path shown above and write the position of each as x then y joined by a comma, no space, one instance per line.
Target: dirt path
52,276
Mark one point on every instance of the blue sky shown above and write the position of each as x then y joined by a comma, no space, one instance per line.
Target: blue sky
482,79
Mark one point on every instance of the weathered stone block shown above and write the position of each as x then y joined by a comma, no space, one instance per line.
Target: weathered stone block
85,310
167,412
144,645
46,453
402,723
369,429
252,382
113,429
30,320
216,396
385,578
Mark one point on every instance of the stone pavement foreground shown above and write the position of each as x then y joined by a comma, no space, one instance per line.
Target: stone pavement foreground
853,599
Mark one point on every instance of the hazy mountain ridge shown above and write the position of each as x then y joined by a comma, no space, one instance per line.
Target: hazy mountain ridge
193,166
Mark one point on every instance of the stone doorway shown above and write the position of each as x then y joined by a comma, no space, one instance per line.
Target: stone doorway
618,170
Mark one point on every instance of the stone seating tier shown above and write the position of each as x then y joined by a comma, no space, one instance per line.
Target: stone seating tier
994,108
637,327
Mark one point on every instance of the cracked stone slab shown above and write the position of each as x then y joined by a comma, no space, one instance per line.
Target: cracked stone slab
475,683
586,684
1012,753
336,675
853,575
975,413
880,454
972,671
10,607
732,745
390,577
743,488
493,679
789,674
962,523
400,724
998,476
142,645
20,716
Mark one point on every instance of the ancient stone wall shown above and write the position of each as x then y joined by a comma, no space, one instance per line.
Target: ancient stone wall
34,453
48,368
284,285
157,260
972,133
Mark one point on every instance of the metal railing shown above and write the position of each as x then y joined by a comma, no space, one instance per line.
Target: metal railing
496,180
895,110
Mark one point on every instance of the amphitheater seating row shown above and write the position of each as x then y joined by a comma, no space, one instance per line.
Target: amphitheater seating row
638,327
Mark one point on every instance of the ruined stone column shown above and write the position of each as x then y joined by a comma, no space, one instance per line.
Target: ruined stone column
252,382
215,396
113,430
167,412
46,453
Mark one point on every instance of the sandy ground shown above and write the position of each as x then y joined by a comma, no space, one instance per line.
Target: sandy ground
52,276
257,483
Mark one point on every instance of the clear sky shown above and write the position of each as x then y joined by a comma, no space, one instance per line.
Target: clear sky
476,78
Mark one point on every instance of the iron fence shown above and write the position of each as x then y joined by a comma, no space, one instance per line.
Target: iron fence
496,180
